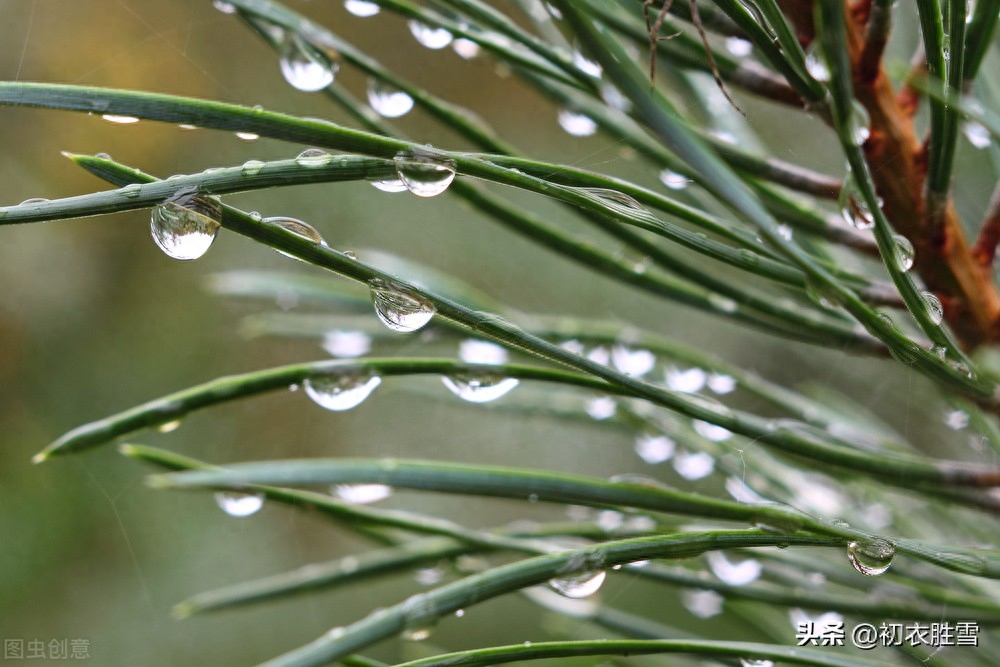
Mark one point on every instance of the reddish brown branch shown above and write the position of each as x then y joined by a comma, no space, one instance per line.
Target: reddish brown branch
985,249
876,37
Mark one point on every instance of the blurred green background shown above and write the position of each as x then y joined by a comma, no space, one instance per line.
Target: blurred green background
94,318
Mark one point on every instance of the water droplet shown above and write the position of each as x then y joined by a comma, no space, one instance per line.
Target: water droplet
615,98
858,124
688,381
739,47
576,124
581,585
224,7
424,173
723,304
903,251
871,557
779,524
255,216
632,362
390,185
430,37
653,448
465,48
756,662
185,225
301,229
572,346
187,126
251,167
346,344
586,65
362,8
313,157
702,603
977,134
239,504
120,120
956,420
301,67
362,494
599,355
247,136
735,574
822,294
721,384
340,392
459,613
386,101
694,465
169,427
816,62
416,634
131,191
474,351
601,407
478,388
934,308
399,308
853,209
673,180
428,576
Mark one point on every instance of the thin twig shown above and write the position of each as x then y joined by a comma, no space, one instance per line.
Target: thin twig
653,30
876,36
696,19
908,97
985,248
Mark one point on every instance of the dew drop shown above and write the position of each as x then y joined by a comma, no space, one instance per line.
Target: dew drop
399,308
756,662
185,225
871,557
346,344
576,124
340,392
816,63
361,8
956,420
599,355
313,157
632,362
654,448
581,585
390,185
428,576
33,200
251,167
473,351
386,101
673,180
255,216
187,126
934,308
120,120
131,191
688,381
247,136
721,384
615,98
586,65
702,603
169,427
739,47
301,68
734,574
224,7
428,36
853,209
903,250
362,494
478,388
694,465
465,48
301,229
239,504
723,304
424,173
977,134
601,408
858,124
822,294
416,634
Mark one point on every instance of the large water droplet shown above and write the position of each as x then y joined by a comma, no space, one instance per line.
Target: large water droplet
340,392
935,311
673,180
976,133
346,344
424,173
871,557
735,574
362,8
653,448
185,225
387,101
430,37
694,465
632,362
239,504
579,585
688,381
362,494
816,62
399,308
301,68
301,229
473,351
858,124
478,388
390,185
739,47
853,209
903,251
576,124
313,157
